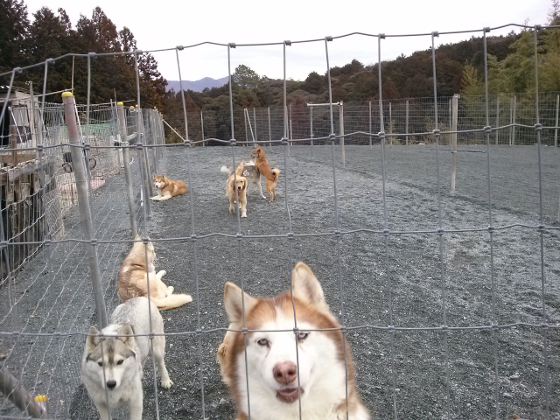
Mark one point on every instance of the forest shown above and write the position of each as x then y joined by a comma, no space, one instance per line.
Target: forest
460,67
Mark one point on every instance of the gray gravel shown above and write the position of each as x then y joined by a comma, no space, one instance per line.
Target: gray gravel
394,279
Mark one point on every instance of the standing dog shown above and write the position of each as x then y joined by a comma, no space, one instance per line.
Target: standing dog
276,380
133,279
167,188
112,367
271,175
251,173
237,183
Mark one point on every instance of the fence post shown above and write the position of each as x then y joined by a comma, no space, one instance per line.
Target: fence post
143,161
556,125
406,123
311,124
202,129
341,118
127,175
290,126
150,121
454,124
255,138
390,123
514,110
245,117
269,128
497,118
83,201
370,126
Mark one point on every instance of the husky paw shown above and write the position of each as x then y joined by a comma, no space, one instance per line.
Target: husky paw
161,273
170,290
166,383
243,215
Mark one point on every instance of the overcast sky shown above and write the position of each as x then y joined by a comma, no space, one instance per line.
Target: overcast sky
161,24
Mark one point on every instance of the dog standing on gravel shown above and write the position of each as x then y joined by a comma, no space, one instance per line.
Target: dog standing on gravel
251,173
133,279
319,373
112,367
271,175
236,184
167,188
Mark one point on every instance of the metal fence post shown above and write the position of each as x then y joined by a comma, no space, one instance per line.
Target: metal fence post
341,118
269,128
311,124
514,112
391,123
406,122
497,118
454,124
370,126
146,186
202,129
127,175
255,138
83,201
556,125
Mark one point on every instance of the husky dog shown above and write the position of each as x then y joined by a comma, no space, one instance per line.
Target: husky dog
271,175
133,279
275,378
167,188
251,173
112,367
236,188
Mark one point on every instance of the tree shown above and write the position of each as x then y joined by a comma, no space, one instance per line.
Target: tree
245,77
471,82
14,25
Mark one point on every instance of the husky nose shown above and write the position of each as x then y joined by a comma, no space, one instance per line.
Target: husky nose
285,372
111,384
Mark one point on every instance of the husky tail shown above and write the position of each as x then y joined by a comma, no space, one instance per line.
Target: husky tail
275,173
225,170
171,301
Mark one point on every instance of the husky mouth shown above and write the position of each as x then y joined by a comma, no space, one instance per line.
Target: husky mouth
288,395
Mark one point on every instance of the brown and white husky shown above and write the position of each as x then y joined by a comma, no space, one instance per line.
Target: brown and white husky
276,376
167,188
133,279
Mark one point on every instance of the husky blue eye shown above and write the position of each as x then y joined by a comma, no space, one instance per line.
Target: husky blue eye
262,342
302,336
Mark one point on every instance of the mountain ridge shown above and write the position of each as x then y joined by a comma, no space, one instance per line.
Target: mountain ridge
197,85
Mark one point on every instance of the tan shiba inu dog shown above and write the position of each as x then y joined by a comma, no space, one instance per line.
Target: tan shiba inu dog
239,183
320,373
112,367
271,175
133,279
167,188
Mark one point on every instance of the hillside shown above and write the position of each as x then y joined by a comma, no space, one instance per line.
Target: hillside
196,85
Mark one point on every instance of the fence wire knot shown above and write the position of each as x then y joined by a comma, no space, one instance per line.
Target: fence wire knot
329,38
538,27
541,228
18,70
337,233
232,44
92,54
232,142
495,327
440,231
145,241
187,143
290,235
47,242
487,29
332,137
40,148
343,329
288,43
180,47
137,52
445,328
151,335
381,135
435,34
4,244
285,141
381,36
391,329
139,146
86,147
244,330
491,229
193,237
239,236
488,129
436,132
538,127
386,232
93,242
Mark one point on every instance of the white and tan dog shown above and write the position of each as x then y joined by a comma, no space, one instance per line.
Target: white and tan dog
167,188
112,367
275,378
133,279
236,189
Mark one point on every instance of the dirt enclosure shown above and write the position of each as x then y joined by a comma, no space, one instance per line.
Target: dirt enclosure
384,268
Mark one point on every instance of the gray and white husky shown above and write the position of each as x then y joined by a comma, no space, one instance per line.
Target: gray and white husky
112,366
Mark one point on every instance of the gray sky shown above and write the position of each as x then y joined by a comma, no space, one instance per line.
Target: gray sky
165,24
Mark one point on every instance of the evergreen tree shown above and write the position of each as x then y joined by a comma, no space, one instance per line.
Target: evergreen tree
14,25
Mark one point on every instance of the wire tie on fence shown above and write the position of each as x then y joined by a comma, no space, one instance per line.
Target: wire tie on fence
231,44
4,244
329,38
180,47
440,231
445,328
288,43
435,34
93,242
337,233
436,132
139,146
290,235
494,327
541,228
381,36
40,148
87,147
194,237
332,137
145,241
92,54
386,232
151,335
239,236
187,143
343,329
538,27
285,141
391,329
488,129
487,29
381,135
491,229
538,127
244,330
232,142
545,326
137,52
50,61
18,70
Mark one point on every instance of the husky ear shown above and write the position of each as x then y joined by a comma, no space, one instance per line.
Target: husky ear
92,341
126,329
306,287
234,303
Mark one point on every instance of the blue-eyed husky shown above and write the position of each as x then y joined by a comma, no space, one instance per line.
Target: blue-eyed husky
112,366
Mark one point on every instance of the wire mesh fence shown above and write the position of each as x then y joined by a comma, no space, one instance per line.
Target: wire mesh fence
447,296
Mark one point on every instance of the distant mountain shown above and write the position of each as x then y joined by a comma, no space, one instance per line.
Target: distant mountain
197,85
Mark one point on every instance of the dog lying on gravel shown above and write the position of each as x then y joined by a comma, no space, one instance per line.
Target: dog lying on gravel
133,279
320,373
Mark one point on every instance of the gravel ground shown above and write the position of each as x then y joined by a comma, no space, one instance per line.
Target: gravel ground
369,279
